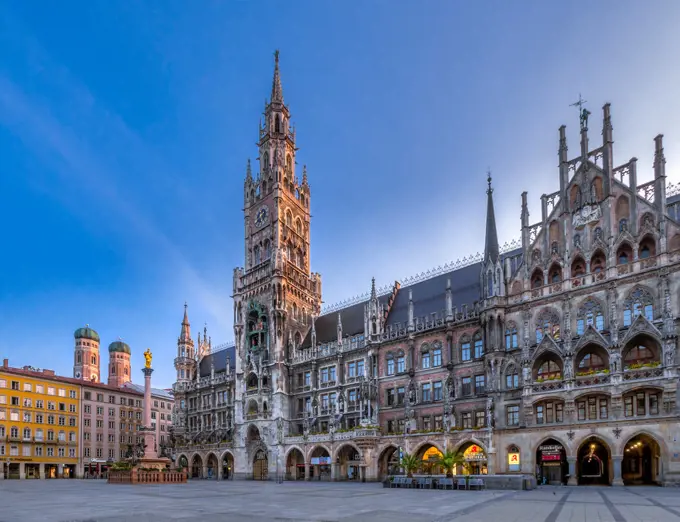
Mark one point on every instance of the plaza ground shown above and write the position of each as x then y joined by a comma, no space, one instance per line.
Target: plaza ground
96,501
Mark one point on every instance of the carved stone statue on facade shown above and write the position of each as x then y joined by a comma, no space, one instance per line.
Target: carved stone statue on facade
614,362
412,393
490,419
670,357
525,374
568,369
279,430
450,388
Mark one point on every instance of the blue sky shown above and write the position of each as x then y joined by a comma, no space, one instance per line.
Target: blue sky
125,128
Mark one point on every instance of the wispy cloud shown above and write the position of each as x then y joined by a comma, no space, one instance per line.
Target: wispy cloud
91,149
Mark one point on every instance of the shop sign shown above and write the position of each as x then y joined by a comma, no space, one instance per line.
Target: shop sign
551,452
513,462
474,452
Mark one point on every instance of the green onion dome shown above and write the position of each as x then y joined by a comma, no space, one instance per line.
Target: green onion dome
119,346
86,333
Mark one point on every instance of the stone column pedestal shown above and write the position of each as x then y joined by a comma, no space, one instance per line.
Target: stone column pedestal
573,479
617,479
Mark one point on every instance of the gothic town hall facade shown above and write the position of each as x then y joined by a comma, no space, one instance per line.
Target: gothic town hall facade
554,356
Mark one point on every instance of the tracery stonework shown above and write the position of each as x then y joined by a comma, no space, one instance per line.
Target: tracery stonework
543,347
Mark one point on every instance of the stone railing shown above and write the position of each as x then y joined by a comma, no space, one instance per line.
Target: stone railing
592,380
547,386
328,350
139,476
359,433
642,373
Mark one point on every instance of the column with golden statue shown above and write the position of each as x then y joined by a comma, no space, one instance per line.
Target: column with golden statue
147,431
150,468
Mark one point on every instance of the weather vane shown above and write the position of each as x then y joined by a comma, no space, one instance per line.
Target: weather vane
583,112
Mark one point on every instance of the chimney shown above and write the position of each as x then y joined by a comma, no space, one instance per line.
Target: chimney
48,372
5,363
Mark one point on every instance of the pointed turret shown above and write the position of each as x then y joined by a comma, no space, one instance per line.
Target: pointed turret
277,90
373,294
249,173
185,334
491,250
339,328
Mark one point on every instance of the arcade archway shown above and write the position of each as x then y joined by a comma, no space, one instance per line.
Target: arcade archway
428,455
641,463
388,463
197,467
227,466
592,462
212,466
260,465
475,459
320,461
551,462
295,465
348,462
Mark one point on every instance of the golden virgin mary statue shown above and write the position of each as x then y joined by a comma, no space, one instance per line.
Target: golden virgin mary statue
147,358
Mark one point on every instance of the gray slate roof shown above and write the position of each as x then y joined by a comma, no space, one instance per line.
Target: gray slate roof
219,359
429,296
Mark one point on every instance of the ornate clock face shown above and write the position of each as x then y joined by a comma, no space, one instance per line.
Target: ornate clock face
261,217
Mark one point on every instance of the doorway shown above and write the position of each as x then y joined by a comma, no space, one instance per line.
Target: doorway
641,462
260,466
593,463
551,463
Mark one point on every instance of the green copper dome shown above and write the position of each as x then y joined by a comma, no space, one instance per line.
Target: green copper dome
119,346
86,333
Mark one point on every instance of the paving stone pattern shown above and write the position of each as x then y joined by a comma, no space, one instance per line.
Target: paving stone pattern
96,501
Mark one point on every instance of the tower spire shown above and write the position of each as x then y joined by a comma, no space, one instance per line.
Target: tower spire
185,334
277,90
491,250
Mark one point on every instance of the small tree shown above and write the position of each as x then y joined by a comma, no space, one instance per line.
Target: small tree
410,463
449,460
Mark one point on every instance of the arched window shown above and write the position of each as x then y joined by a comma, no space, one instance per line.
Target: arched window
547,323
265,161
575,197
578,267
289,219
511,341
624,254
113,369
549,370
389,364
78,357
425,361
465,349
267,249
647,247
489,284
479,345
295,311
511,378
537,278
298,227
277,124
638,355
598,262
256,255
94,359
126,370
555,273
639,302
590,313
591,361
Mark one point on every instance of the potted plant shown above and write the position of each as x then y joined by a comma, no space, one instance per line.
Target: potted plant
449,460
410,463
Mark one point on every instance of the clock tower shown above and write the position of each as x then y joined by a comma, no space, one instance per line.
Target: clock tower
275,294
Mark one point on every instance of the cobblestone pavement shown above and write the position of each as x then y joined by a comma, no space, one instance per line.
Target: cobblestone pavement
96,501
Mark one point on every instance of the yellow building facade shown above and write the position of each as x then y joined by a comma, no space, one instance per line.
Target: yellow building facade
39,424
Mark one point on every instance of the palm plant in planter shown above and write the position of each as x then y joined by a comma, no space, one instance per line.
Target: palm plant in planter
449,460
410,463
